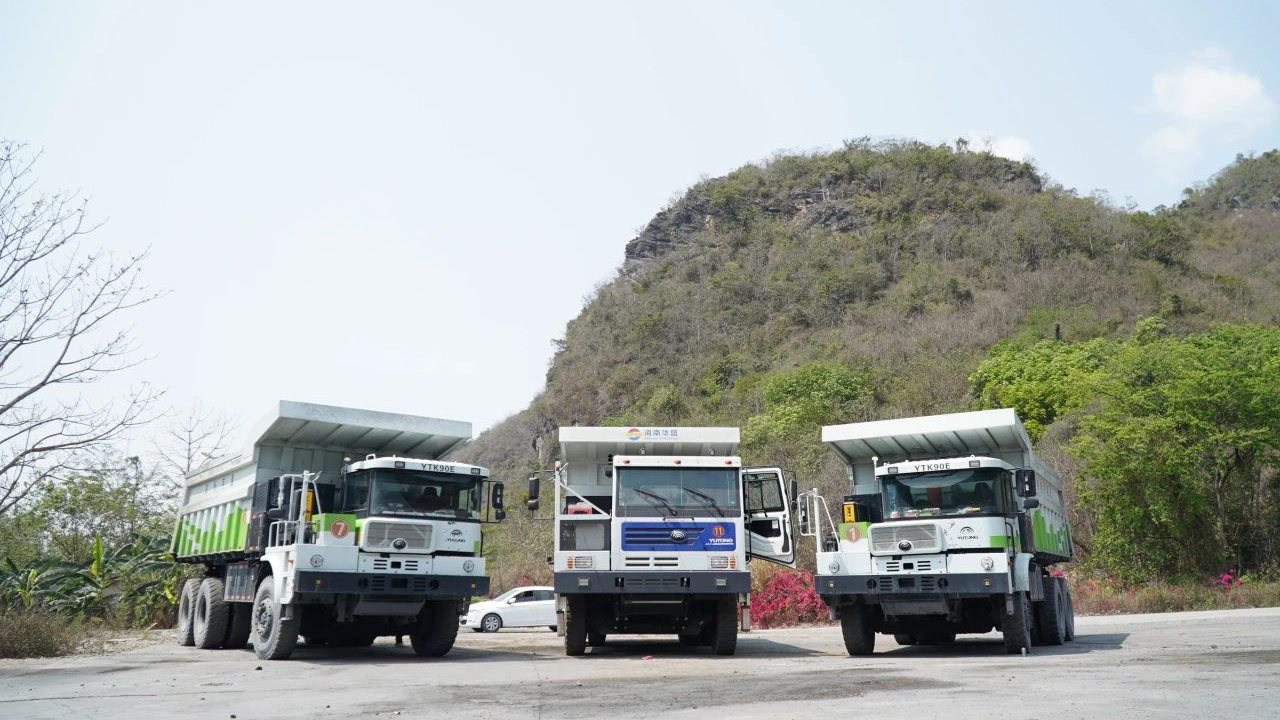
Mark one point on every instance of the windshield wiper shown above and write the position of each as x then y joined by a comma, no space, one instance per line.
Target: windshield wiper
710,500
657,497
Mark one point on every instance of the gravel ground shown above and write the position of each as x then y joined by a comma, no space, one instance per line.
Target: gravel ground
1177,665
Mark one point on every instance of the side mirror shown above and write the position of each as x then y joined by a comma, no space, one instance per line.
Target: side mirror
1025,482
1030,503
794,491
499,514
533,493
803,517
495,495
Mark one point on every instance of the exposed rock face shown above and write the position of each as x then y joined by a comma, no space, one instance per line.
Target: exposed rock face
825,200
671,227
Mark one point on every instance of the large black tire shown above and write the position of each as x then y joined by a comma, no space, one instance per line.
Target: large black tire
855,625
575,625
274,637
724,639
1051,616
595,639
1018,627
903,639
239,625
186,612
491,622
212,614
1071,611
437,628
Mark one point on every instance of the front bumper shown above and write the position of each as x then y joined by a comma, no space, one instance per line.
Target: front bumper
686,582
941,584
312,581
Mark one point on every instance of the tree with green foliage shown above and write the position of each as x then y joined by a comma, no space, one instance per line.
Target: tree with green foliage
797,404
1182,453
1042,381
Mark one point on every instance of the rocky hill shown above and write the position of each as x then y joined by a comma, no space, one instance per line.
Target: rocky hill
870,282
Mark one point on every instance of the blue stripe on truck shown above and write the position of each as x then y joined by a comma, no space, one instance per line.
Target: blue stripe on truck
679,537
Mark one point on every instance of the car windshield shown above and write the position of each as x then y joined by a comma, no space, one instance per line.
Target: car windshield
969,491
671,491
412,492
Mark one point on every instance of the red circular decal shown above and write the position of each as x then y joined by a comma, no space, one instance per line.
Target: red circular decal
718,530
339,528
853,534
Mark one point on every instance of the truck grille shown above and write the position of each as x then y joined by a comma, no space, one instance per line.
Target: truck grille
649,582
923,538
918,565
644,561
379,535
384,583
385,564
660,536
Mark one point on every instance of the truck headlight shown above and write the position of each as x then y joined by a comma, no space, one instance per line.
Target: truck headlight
987,562
468,566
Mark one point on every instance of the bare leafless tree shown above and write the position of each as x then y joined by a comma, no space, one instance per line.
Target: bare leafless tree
191,439
60,308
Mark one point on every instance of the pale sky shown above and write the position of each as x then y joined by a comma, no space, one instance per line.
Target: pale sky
399,206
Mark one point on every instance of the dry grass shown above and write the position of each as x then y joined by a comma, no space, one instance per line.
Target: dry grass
37,633
1097,596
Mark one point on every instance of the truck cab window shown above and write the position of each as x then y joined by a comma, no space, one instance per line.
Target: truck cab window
967,491
355,495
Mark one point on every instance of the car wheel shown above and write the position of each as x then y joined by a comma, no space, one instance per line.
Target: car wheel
491,623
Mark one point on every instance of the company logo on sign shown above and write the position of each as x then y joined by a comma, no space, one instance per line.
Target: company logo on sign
633,434
339,529
677,535
853,534
718,537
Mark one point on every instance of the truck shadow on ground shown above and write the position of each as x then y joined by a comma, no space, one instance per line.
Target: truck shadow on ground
747,647
983,647
392,654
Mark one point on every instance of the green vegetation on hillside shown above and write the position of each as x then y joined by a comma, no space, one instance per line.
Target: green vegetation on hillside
873,282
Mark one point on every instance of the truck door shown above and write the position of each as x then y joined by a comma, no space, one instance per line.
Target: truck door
768,516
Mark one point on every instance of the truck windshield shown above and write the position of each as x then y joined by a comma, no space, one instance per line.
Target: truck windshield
411,492
671,491
968,491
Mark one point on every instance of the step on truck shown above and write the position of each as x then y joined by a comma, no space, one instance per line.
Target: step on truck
653,531
953,527
338,526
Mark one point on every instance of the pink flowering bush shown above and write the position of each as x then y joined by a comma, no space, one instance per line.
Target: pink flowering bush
787,598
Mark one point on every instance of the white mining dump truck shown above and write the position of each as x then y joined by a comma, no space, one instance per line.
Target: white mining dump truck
653,530
952,527
297,538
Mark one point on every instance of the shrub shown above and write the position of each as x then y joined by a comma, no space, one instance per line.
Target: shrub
38,633
788,598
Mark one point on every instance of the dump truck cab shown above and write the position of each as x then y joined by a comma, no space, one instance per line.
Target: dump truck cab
653,531
953,527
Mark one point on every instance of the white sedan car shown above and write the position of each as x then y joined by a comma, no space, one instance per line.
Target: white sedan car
521,607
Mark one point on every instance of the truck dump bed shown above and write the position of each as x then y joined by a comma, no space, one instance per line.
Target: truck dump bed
295,437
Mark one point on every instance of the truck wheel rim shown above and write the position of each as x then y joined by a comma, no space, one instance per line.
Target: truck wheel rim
264,619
